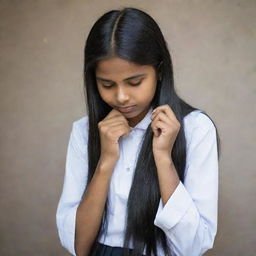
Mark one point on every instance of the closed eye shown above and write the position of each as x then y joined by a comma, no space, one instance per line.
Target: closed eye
133,84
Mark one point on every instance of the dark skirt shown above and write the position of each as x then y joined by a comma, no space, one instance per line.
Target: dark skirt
106,250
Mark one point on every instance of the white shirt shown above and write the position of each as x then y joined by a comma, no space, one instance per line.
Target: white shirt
189,218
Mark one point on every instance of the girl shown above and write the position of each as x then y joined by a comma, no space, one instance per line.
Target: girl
142,167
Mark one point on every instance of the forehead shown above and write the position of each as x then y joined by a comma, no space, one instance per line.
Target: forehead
117,66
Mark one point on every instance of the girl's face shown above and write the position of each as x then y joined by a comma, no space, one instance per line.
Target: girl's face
123,84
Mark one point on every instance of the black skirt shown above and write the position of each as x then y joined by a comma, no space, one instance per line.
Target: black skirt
106,250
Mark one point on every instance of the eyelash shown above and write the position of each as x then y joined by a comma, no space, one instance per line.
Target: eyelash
136,84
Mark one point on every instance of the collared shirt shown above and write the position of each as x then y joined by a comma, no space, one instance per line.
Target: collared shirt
189,217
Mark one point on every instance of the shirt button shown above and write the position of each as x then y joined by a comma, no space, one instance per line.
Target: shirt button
128,169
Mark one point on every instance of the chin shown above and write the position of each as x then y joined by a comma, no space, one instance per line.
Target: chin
130,115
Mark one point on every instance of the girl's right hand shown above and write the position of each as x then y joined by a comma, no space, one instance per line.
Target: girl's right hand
111,128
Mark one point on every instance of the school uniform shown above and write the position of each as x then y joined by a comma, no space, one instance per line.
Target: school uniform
189,218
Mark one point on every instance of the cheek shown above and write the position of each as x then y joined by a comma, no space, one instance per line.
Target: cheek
149,92
101,93
105,96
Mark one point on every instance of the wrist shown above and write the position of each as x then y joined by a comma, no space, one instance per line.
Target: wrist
106,163
163,156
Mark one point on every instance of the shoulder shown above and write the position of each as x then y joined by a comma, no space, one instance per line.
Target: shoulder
80,129
81,123
197,119
196,122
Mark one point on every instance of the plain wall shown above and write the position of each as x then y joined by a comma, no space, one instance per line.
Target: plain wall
212,43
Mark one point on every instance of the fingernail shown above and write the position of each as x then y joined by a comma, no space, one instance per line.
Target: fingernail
153,111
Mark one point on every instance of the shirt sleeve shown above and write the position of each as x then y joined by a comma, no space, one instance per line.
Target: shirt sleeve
189,217
73,188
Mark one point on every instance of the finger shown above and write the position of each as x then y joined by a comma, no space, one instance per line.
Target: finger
163,117
166,109
172,124
120,131
114,121
155,130
114,113
158,126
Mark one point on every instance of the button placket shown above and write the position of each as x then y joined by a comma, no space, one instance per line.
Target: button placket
125,171
129,160
113,188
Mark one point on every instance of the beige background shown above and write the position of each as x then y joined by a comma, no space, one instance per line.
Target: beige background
41,43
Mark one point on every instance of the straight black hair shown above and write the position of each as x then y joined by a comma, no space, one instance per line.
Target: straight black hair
133,35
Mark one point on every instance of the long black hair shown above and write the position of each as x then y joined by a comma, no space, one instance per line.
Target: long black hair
133,35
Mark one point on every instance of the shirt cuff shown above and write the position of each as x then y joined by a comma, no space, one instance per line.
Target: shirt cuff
175,208
67,234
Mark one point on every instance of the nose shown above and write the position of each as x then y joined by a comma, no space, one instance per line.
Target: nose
122,95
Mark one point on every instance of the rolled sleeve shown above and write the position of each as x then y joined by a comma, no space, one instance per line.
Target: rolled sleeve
67,233
73,188
176,207
189,217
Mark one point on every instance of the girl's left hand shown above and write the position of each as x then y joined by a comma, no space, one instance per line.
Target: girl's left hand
165,127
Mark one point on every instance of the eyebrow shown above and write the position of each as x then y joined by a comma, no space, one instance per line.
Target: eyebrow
128,78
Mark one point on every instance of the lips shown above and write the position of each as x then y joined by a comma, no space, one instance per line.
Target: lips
126,109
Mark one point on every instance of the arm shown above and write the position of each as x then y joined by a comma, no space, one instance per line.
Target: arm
73,214
167,176
90,210
187,213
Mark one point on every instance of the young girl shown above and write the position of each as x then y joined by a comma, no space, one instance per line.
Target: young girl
142,167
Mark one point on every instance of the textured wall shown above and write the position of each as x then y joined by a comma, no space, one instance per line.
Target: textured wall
41,45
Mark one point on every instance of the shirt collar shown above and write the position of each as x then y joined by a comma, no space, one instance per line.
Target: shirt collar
143,124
